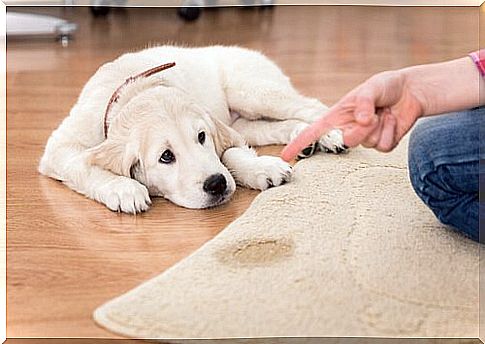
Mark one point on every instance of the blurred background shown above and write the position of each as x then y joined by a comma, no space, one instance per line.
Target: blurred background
30,25
314,43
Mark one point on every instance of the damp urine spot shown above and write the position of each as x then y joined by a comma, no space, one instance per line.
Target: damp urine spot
256,252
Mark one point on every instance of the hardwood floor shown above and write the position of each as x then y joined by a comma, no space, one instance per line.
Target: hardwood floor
67,254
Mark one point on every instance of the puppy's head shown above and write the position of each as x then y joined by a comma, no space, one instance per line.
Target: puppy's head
171,146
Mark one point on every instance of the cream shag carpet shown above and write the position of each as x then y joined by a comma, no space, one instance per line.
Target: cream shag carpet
345,249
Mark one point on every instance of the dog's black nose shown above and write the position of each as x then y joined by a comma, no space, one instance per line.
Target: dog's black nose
215,185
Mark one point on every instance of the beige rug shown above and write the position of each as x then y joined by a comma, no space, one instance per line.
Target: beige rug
345,249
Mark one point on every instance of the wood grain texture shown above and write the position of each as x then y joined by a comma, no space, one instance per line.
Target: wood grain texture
67,254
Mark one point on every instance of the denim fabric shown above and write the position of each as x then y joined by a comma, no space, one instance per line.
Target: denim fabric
443,160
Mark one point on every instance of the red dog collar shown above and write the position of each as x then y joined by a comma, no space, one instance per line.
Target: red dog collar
116,95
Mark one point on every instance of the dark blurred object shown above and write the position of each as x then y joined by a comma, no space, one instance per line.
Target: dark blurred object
101,8
191,9
189,13
100,11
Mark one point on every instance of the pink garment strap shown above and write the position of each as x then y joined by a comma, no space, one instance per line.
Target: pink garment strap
479,58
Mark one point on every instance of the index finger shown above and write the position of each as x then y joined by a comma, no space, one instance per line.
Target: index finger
332,120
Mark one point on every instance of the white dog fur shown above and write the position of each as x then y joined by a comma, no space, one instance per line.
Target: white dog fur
234,95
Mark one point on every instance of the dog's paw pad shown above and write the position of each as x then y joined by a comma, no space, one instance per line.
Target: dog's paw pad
269,171
124,195
269,182
333,142
308,151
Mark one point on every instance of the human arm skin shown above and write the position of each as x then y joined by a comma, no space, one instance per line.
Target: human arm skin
445,87
380,111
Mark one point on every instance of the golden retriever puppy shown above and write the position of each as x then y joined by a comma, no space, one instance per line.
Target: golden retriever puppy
179,131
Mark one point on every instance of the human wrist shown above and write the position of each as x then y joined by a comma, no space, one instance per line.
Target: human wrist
444,87
420,91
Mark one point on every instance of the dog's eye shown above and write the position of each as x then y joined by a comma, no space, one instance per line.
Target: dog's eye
167,157
201,137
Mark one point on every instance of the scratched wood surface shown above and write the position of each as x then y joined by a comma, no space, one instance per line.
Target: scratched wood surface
67,254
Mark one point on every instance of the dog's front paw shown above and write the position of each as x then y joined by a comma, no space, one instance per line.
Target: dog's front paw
125,195
333,142
268,171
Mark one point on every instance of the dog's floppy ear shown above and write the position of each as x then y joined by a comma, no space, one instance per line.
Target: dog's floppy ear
113,155
225,137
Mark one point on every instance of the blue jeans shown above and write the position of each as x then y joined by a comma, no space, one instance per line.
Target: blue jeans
443,160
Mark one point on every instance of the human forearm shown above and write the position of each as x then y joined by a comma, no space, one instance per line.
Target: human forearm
381,110
447,86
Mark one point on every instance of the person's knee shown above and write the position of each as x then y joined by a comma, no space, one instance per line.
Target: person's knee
433,175
429,184
427,177
419,161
